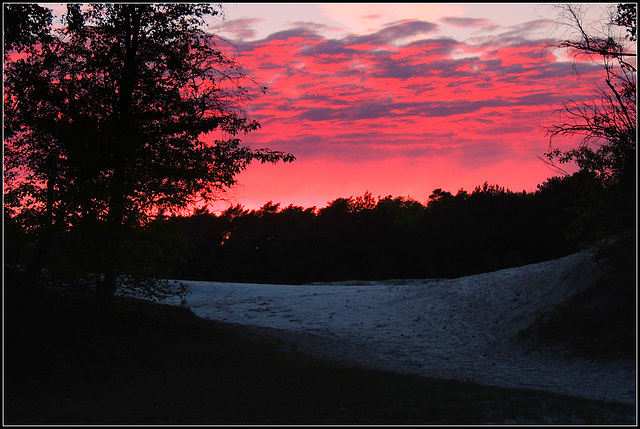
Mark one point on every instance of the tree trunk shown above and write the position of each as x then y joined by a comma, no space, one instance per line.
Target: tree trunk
106,287
35,269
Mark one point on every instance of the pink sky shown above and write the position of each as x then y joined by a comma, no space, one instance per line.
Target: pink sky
398,99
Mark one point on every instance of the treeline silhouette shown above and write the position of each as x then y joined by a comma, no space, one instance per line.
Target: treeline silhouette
369,238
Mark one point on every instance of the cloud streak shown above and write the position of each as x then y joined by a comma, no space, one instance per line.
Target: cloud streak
481,24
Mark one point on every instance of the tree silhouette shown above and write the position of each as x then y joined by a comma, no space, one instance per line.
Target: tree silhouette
607,122
126,112
362,238
25,25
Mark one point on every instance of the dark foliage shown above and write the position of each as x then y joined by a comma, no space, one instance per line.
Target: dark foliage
367,239
363,238
599,322
25,25
117,113
605,124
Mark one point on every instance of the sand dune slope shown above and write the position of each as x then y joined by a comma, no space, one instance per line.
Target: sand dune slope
461,329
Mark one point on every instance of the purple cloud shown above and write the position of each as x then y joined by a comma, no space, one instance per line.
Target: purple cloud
242,28
481,24
406,28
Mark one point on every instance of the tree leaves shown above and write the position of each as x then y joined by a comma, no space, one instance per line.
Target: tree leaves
119,113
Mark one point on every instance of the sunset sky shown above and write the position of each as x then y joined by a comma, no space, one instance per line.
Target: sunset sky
398,99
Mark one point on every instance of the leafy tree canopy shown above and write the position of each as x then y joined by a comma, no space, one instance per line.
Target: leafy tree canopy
124,112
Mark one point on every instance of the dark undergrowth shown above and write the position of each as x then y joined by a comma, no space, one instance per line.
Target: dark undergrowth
71,361
600,322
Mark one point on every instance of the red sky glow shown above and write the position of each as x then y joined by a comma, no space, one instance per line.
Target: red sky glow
440,97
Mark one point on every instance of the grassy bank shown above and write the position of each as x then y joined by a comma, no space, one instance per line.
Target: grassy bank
70,361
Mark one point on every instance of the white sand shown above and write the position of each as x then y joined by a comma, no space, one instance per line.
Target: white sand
461,329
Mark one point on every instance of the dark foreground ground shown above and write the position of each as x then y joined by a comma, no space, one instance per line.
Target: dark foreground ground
69,361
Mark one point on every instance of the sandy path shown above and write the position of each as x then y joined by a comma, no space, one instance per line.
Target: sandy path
455,329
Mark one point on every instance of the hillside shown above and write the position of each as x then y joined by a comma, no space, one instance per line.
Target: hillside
492,328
